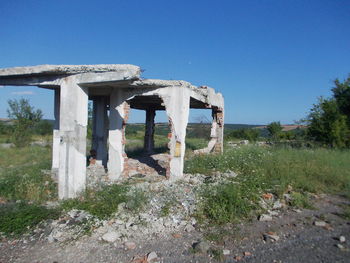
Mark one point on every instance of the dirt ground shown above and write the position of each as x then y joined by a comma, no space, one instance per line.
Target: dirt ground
299,240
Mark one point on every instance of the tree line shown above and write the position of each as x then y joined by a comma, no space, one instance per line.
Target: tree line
327,123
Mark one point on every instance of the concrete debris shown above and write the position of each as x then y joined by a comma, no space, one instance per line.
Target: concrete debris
340,246
244,142
271,236
201,246
273,212
129,245
265,218
153,257
96,176
342,239
320,223
226,252
111,237
277,205
287,197
189,228
6,145
247,254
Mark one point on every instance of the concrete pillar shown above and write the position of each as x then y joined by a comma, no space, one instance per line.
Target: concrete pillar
177,104
100,129
217,129
149,130
56,132
116,138
73,124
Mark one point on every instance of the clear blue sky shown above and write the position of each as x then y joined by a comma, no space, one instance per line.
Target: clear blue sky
270,59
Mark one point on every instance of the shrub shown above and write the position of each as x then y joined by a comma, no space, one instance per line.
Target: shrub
44,127
300,200
105,202
25,119
246,134
274,129
224,203
17,218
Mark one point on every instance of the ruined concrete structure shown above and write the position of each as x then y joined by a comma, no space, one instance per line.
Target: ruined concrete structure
114,89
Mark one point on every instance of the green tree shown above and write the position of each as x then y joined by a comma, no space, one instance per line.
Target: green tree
341,93
25,118
327,124
274,129
246,134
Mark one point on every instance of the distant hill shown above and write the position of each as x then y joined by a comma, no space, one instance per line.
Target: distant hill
228,126
287,127
241,126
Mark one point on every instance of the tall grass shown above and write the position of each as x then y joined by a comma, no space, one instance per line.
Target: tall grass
21,176
268,169
105,202
316,170
18,218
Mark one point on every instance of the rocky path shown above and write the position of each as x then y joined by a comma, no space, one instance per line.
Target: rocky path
319,235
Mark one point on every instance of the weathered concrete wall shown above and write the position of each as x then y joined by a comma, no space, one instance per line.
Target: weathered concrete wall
73,124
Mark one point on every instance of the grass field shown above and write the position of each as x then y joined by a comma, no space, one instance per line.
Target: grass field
259,169
272,170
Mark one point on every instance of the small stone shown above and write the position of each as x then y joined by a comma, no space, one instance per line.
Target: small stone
130,245
328,227
189,228
340,246
118,222
237,258
287,197
342,239
201,246
273,213
51,239
177,235
265,218
263,204
247,254
320,223
226,252
271,236
277,205
152,257
110,237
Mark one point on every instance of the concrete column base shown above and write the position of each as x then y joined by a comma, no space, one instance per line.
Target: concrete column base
72,153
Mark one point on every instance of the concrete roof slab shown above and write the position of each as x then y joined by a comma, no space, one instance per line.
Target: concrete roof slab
67,69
